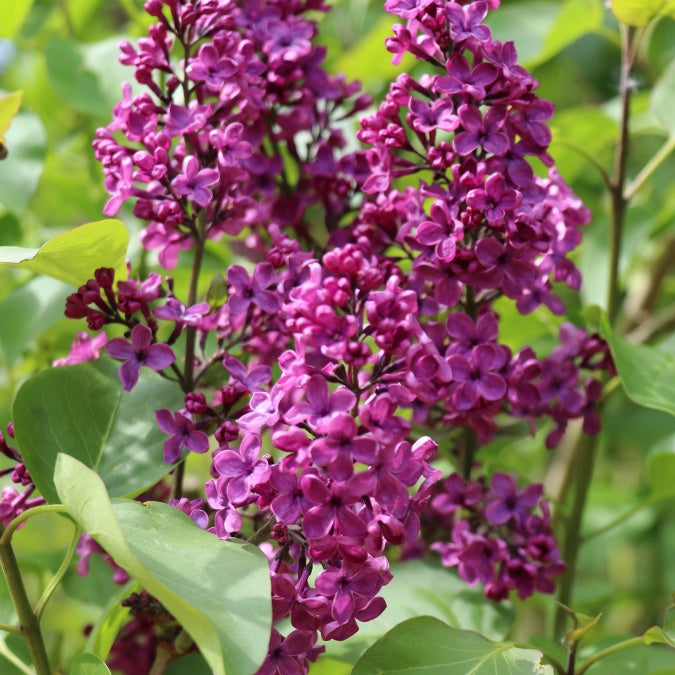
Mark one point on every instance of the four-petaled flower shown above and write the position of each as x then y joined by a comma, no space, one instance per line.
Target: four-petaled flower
183,433
194,184
140,351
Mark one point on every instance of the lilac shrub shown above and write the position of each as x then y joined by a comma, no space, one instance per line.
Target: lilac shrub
364,324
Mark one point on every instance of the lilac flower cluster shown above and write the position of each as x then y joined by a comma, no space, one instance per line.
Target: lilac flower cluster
496,536
367,308
201,154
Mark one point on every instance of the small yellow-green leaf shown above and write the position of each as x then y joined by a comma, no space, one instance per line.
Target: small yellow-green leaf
74,255
9,106
641,12
654,635
579,633
12,15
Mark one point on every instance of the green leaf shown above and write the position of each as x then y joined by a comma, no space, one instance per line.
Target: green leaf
527,25
70,76
368,61
588,623
83,412
647,373
12,16
218,590
654,635
21,171
89,664
189,664
419,589
110,621
661,469
641,12
34,307
427,646
576,19
73,256
662,99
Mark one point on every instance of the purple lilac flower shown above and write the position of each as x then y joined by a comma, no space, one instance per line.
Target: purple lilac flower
193,183
183,434
140,351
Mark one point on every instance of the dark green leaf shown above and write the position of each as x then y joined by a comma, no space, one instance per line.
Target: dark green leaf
83,412
190,664
427,646
219,591
89,664
71,78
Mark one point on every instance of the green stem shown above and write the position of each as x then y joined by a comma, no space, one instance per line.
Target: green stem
8,628
619,176
28,622
632,642
263,532
649,168
56,579
581,468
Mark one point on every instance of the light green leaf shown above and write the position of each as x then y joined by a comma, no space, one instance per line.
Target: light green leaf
110,621
419,589
576,19
12,16
89,664
218,590
641,12
73,256
662,100
21,171
661,469
654,635
647,373
427,646
83,412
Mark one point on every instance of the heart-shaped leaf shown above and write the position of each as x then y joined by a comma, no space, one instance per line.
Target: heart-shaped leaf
74,255
218,590
427,646
82,411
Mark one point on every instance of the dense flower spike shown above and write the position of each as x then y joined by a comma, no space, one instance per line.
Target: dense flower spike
367,309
